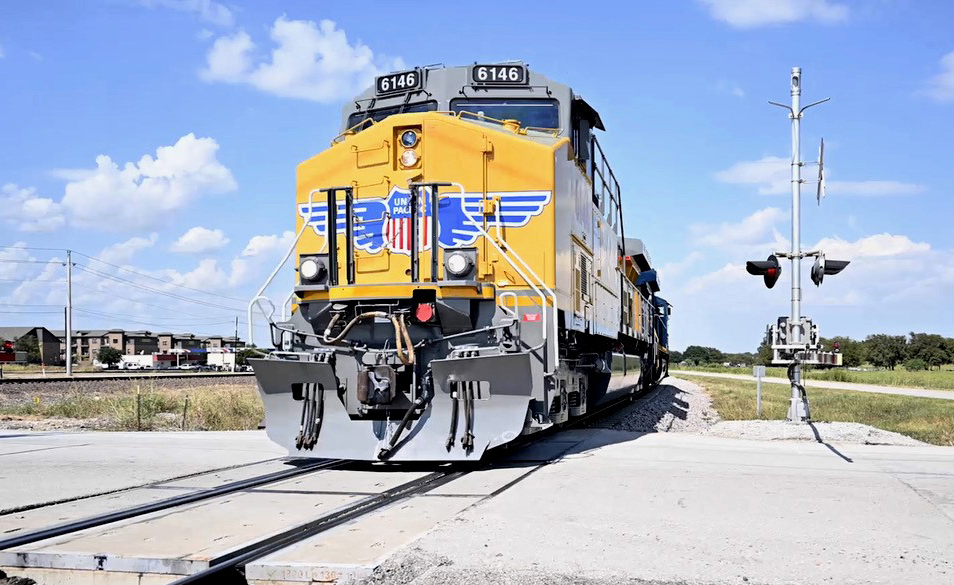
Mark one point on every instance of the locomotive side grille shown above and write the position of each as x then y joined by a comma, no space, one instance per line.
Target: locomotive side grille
584,276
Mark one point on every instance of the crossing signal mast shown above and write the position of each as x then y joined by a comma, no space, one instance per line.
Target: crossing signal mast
795,339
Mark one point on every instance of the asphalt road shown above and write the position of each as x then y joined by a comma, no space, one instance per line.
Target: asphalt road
920,392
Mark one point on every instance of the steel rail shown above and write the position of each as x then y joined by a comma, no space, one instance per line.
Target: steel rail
126,377
164,504
149,484
242,556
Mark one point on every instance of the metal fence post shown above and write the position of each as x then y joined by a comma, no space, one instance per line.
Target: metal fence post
185,410
138,409
758,372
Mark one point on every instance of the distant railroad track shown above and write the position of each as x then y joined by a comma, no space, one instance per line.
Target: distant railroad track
17,379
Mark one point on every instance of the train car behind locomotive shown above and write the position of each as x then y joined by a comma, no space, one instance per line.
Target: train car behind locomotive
463,275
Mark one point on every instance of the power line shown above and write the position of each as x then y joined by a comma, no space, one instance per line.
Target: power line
34,248
85,268
117,266
205,292
127,319
138,302
208,320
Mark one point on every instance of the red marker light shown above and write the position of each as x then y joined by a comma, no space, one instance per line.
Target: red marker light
424,312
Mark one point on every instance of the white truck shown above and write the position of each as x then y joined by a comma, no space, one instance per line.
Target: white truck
223,361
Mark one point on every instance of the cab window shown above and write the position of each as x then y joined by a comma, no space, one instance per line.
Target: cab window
382,113
533,113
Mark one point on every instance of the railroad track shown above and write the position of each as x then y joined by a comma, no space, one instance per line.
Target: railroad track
164,504
236,560
231,564
100,377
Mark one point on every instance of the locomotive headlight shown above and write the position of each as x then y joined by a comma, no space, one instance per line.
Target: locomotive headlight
457,264
409,138
308,269
312,270
409,158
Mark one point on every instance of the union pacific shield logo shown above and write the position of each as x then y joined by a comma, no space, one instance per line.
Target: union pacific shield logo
386,223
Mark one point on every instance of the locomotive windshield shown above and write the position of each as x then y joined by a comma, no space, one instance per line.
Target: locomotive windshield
534,113
382,113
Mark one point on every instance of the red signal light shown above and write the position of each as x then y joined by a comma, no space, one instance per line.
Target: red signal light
424,312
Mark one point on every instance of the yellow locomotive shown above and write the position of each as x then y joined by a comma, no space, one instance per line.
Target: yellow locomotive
463,276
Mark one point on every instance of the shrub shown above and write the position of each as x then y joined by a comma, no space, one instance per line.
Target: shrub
915,365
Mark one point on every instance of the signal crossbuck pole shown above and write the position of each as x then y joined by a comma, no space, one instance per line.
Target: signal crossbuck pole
69,313
795,342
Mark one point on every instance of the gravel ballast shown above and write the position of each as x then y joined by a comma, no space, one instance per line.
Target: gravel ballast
673,406
682,406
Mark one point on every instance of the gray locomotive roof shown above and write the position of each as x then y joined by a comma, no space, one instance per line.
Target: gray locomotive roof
637,250
443,84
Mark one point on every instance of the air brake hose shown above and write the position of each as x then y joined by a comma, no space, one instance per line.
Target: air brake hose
420,402
408,358
467,441
400,329
452,433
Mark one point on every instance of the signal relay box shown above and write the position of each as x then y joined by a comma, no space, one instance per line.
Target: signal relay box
808,350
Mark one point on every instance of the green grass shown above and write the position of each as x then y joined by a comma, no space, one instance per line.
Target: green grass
214,408
933,379
9,368
927,419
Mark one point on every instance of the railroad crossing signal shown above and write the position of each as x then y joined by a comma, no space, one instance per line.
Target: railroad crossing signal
823,267
768,269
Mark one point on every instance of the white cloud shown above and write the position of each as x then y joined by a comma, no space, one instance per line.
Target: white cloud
726,277
887,271
123,252
771,175
755,13
875,246
941,86
269,244
206,276
757,228
872,188
9,268
145,194
21,207
206,10
312,61
200,240
730,87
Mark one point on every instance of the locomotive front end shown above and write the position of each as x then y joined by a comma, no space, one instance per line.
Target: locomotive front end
423,319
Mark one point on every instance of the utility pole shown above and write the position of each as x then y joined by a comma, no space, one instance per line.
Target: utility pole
69,313
795,340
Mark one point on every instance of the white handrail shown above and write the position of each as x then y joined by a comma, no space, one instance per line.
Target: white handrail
508,294
260,294
285,304
479,226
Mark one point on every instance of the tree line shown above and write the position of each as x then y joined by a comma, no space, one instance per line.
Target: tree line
915,351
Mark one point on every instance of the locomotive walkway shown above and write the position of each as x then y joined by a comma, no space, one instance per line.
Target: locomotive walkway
918,392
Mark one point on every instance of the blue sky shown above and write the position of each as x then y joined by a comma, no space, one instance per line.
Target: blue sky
162,136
